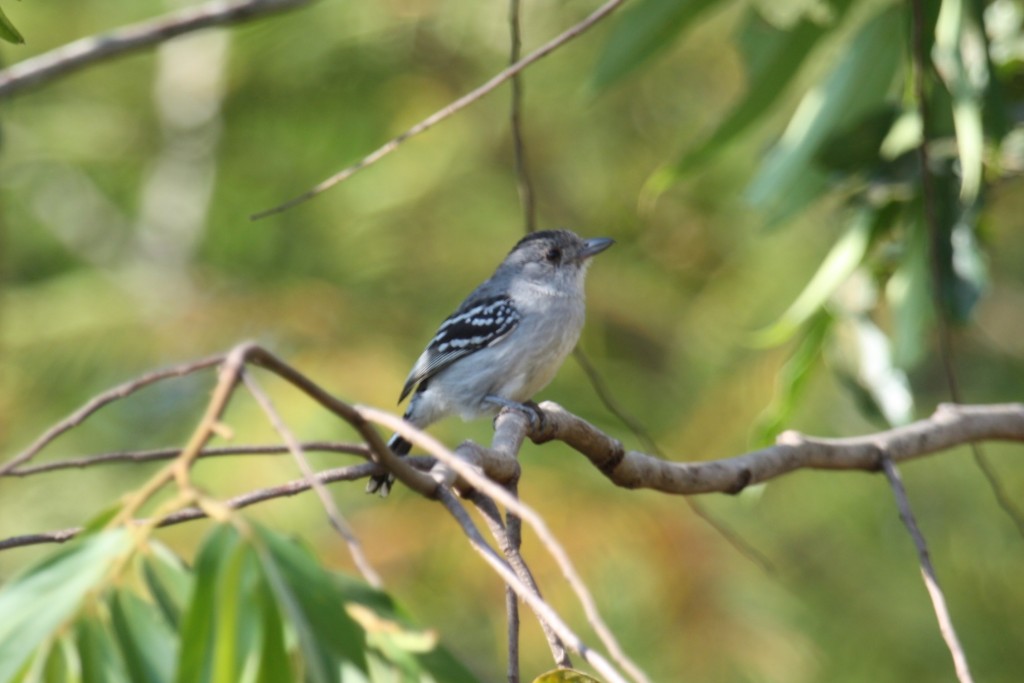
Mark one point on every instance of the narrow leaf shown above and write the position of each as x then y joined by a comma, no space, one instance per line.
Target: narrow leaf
7,30
148,645
960,54
858,84
198,636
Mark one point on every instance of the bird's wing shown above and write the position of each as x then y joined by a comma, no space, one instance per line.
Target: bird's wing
476,325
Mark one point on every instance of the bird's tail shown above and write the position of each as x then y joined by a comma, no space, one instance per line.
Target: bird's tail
381,483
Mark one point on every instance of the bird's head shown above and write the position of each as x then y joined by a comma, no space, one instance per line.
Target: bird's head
554,258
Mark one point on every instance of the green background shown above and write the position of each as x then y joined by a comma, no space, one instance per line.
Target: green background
126,245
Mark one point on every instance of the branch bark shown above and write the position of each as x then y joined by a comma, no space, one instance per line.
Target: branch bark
951,425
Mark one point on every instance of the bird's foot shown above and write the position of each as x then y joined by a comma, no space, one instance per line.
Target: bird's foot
530,409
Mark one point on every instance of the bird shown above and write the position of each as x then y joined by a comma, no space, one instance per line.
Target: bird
507,339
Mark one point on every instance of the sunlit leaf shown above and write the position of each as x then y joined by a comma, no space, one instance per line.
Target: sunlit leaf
858,84
45,596
273,664
838,265
960,54
643,30
65,663
198,632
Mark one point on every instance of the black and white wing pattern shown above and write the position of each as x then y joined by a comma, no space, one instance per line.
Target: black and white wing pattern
474,326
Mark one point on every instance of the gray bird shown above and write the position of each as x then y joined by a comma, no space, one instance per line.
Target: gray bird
506,341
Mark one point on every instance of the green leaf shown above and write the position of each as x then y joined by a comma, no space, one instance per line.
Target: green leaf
198,635
273,663
7,30
43,598
908,293
844,258
643,30
960,54
858,84
148,645
234,618
63,665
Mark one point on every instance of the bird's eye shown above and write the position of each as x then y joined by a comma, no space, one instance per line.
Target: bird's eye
553,255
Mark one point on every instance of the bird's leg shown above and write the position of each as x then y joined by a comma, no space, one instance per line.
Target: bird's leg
530,409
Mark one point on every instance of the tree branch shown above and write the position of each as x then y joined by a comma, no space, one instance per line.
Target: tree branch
87,51
159,454
931,581
951,425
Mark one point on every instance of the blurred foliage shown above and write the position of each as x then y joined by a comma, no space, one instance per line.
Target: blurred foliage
685,131
255,607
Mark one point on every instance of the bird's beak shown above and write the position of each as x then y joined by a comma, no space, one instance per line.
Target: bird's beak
595,246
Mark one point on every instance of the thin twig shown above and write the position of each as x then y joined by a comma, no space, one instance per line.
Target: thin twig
447,111
477,542
121,391
337,521
931,581
87,51
158,454
523,181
